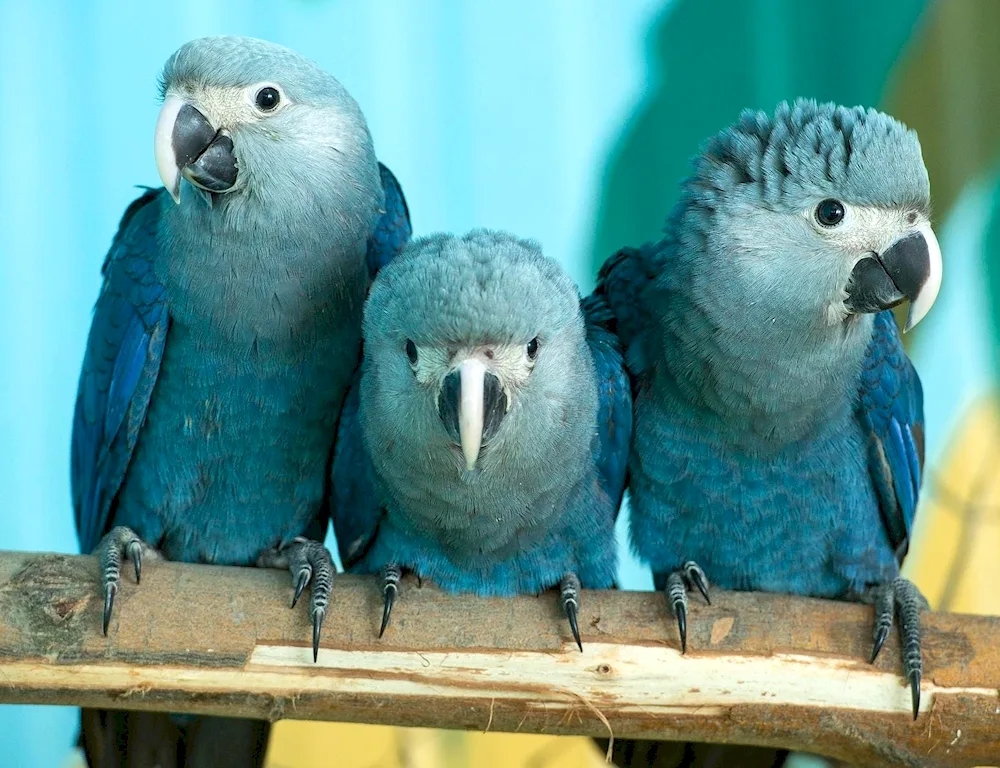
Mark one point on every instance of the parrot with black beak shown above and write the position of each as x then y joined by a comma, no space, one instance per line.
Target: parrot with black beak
223,341
779,429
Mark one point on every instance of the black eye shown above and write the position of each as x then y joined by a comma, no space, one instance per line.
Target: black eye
533,348
411,352
830,213
267,98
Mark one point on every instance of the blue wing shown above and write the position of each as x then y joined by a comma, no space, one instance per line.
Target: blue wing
891,411
355,505
120,367
622,281
614,415
393,229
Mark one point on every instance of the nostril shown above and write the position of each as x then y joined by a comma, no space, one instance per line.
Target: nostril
911,218
489,354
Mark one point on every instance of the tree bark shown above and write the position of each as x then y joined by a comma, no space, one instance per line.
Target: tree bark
761,669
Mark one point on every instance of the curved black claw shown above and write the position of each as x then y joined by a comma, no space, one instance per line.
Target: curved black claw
915,692
574,627
390,596
682,626
317,618
881,633
304,575
119,542
694,575
900,599
391,575
569,589
309,563
885,607
135,555
909,603
110,590
676,589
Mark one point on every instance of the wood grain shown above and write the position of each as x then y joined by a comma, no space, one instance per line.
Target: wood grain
760,669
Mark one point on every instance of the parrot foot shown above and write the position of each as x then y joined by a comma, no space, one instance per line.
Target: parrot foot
391,574
120,542
308,561
569,589
679,583
901,599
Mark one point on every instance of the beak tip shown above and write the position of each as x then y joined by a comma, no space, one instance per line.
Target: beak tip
921,304
470,452
912,318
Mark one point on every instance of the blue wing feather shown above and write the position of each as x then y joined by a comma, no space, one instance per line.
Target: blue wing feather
393,229
355,503
891,411
120,367
354,500
622,280
614,415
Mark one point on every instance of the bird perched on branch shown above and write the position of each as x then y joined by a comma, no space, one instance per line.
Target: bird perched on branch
484,444
223,340
778,422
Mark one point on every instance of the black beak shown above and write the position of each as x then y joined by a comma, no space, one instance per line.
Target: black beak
204,155
910,269
456,412
188,145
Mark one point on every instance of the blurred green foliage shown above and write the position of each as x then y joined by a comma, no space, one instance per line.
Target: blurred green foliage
946,88
709,59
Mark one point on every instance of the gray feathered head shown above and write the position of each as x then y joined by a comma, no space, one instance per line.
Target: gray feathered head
250,121
820,209
477,343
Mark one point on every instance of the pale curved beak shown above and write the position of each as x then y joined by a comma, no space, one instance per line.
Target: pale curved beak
926,295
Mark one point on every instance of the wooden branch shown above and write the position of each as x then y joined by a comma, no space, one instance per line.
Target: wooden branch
760,669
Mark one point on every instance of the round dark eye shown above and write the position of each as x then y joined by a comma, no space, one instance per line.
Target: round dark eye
267,98
411,352
830,213
533,348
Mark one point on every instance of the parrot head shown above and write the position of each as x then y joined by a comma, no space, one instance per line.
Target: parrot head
245,116
468,340
819,211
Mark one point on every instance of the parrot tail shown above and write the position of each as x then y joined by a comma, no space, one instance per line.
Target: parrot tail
629,753
126,739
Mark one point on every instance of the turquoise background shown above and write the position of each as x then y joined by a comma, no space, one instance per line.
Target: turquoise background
568,122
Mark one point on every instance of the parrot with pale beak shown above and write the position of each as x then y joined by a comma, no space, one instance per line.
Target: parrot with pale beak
779,429
483,445
223,341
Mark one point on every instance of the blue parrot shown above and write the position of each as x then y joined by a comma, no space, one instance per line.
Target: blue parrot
779,431
484,443
223,342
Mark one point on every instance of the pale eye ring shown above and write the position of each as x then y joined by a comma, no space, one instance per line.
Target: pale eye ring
830,213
